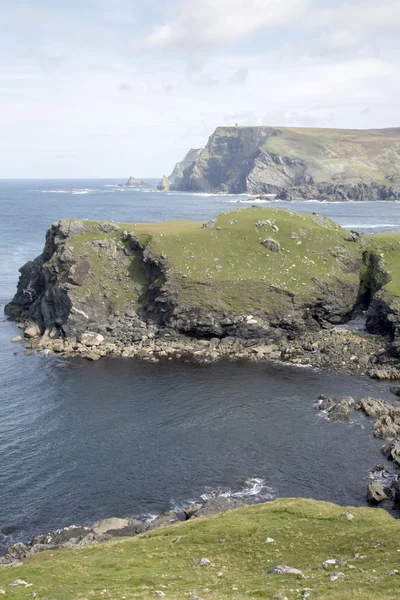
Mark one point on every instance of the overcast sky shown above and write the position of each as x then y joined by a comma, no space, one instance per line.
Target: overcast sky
107,88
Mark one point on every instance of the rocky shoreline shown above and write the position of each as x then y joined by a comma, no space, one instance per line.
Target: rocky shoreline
77,536
384,487
335,349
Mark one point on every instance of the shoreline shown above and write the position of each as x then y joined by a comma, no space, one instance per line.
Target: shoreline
337,349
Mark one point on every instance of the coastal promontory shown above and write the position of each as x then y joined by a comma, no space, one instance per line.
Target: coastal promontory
270,160
262,283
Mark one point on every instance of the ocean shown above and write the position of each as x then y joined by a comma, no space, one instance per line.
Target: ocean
81,441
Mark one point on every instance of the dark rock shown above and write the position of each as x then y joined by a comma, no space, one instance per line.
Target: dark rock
271,245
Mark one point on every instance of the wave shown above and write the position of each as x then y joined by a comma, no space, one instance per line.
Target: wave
72,191
254,487
368,226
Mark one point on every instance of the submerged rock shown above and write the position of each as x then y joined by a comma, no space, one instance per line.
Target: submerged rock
341,411
338,409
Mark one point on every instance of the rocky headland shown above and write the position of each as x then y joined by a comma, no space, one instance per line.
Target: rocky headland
327,164
255,284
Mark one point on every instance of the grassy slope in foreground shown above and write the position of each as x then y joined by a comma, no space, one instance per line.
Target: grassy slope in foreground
306,533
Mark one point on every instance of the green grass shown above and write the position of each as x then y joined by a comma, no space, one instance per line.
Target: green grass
306,533
226,267
387,247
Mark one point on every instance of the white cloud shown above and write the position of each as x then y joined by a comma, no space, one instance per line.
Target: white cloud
214,23
84,100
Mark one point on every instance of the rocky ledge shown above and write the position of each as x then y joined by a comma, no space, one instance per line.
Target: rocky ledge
255,284
341,192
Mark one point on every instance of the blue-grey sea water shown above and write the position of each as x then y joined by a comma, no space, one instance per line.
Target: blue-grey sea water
80,441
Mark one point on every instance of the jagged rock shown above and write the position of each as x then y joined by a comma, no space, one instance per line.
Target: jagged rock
392,450
341,411
271,245
109,227
175,179
164,184
387,426
338,409
376,493
373,408
340,192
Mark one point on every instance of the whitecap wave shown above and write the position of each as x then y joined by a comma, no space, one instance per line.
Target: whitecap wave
254,487
368,225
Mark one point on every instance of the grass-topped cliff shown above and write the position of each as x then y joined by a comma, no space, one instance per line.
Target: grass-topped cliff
271,159
305,534
263,274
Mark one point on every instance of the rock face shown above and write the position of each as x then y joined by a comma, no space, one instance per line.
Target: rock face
259,282
267,160
173,181
133,182
341,192
164,184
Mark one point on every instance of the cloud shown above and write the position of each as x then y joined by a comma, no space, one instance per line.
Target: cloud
207,23
125,87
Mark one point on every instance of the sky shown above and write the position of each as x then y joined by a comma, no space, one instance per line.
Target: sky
112,88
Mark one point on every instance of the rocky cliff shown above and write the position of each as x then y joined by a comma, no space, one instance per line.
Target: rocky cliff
254,277
172,182
266,160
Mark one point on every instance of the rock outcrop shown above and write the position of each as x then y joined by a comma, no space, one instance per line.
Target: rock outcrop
173,181
304,161
257,282
341,192
133,182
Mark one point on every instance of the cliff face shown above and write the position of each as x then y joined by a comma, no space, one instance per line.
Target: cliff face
261,160
172,182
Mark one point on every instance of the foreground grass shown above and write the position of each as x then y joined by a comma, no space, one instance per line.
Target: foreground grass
305,534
